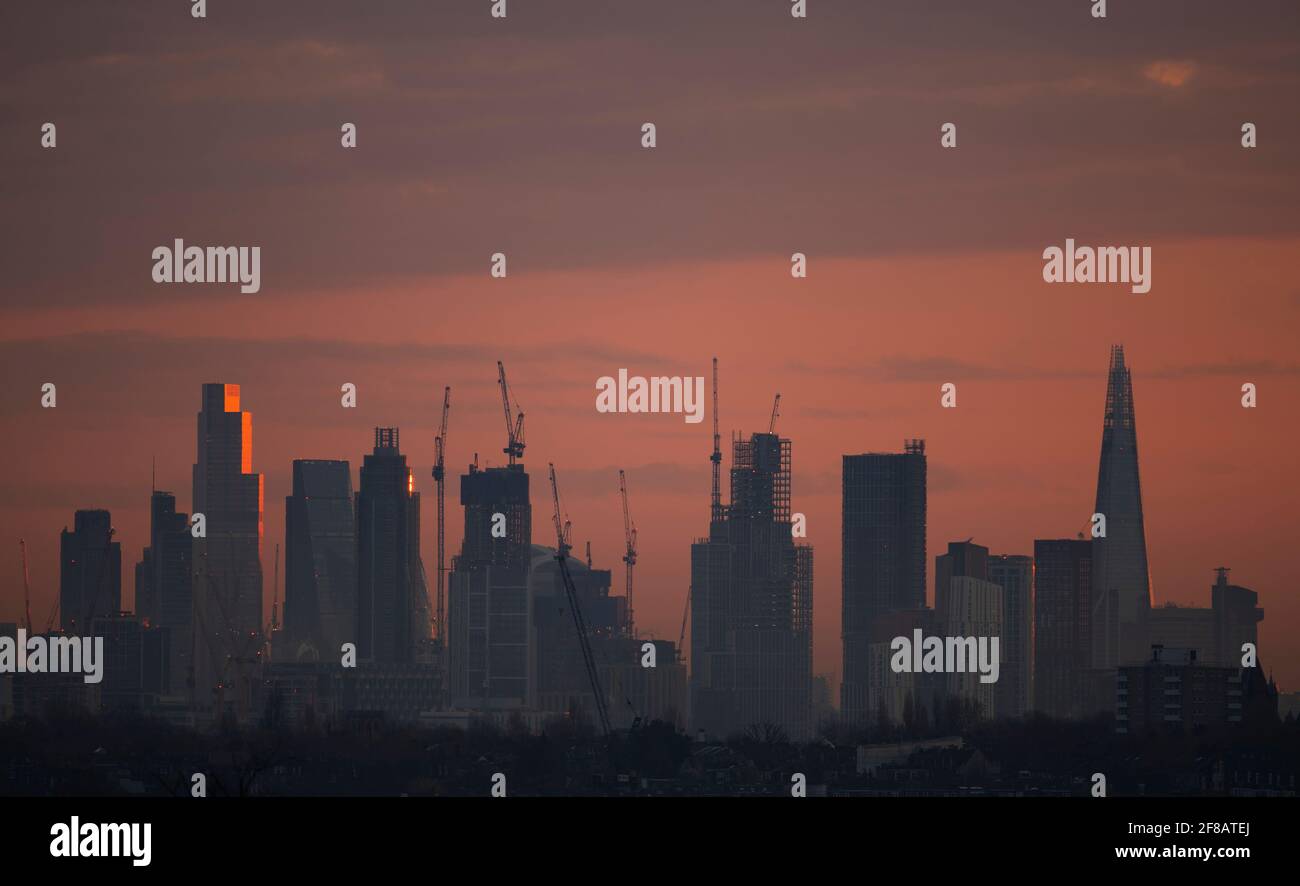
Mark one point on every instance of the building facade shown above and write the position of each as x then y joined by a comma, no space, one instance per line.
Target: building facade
490,604
751,603
1121,587
227,557
1014,573
392,600
164,589
320,564
974,610
1062,650
90,571
884,564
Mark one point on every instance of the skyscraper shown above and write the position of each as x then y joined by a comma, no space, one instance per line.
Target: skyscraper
320,563
1121,592
1062,582
751,603
490,604
165,586
228,557
964,559
90,573
391,595
883,567
974,610
1236,616
1015,575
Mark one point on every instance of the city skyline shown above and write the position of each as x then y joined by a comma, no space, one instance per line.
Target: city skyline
1196,598
522,136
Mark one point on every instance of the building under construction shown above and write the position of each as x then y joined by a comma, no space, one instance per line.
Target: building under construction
751,602
488,637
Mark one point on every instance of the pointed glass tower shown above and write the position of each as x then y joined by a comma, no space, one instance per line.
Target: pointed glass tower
1121,588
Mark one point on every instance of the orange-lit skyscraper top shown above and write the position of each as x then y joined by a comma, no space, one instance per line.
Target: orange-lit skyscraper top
228,555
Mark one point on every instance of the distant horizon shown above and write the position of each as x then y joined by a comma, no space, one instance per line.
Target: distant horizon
542,522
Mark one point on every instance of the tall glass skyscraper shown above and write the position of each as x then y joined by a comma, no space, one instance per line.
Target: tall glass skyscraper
320,563
228,559
165,588
392,602
90,571
1015,575
1121,589
1062,583
883,567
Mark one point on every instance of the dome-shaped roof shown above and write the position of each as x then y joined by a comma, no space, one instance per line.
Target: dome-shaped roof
543,570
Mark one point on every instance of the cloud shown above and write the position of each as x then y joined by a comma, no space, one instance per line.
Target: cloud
1174,74
909,368
472,131
1233,368
929,369
134,373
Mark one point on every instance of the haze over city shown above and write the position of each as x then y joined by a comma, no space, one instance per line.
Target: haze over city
924,265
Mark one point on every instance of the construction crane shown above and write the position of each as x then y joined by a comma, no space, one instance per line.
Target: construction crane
715,509
27,587
243,652
776,412
629,537
716,457
440,481
514,423
54,614
562,532
275,596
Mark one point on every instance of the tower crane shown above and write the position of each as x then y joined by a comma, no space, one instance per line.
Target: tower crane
27,587
275,597
514,422
715,509
439,479
562,531
776,412
629,537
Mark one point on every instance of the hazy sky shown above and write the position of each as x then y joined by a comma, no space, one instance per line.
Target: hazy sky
775,135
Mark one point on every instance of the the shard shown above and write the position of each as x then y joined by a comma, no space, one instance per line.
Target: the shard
1121,588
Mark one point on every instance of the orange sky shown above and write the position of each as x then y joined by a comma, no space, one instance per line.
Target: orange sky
818,136
1015,461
